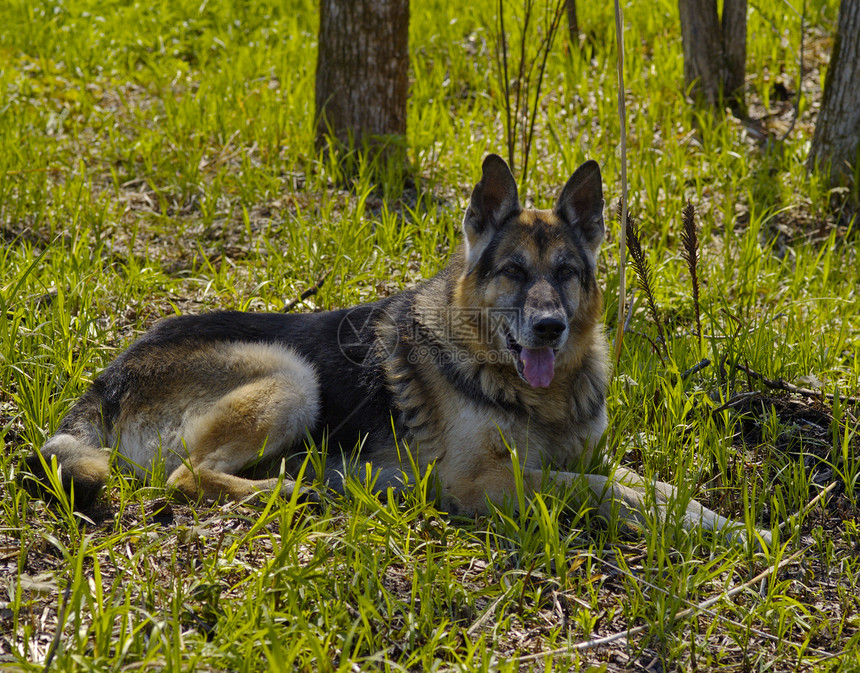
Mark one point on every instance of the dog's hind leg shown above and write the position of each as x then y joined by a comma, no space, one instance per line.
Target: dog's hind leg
257,421
195,482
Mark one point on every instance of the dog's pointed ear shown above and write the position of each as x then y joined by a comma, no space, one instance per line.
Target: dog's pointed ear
580,204
494,200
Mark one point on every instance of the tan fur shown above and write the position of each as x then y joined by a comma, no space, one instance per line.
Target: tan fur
278,403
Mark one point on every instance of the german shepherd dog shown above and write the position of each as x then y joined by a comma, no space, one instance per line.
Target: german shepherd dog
503,348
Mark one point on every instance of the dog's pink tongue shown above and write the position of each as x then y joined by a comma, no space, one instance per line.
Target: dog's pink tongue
539,366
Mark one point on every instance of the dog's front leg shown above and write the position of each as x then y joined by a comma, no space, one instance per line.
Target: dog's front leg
631,500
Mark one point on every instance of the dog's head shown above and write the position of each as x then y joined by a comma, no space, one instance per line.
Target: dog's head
533,270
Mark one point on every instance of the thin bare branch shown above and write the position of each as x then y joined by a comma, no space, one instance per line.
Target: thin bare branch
522,80
705,362
311,291
546,46
779,384
812,503
502,64
622,243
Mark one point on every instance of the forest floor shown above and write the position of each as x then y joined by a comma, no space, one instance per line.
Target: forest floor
159,159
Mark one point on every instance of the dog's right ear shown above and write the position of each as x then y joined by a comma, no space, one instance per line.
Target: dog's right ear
580,204
494,200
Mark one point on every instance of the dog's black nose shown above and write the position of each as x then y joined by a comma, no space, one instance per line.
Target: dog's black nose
549,329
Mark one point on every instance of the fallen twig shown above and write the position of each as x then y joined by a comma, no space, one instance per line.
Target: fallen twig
695,368
808,507
61,623
779,384
736,400
486,614
700,607
651,341
706,611
310,292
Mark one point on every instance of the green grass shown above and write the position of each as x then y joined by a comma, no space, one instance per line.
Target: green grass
158,158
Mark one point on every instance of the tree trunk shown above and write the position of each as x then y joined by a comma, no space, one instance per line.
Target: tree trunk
572,25
734,48
837,131
362,73
714,52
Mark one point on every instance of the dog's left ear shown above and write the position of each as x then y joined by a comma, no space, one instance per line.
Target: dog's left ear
580,204
494,200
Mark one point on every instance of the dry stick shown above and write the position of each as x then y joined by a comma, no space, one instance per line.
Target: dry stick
311,291
736,400
808,507
835,655
704,362
707,611
779,384
704,605
503,69
630,309
647,338
488,612
61,623
622,238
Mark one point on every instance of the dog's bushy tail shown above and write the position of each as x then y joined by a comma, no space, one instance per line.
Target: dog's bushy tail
82,469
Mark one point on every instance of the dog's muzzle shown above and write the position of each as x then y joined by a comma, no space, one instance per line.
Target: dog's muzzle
536,366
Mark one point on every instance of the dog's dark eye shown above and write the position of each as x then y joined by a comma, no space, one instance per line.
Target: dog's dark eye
513,270
565,272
